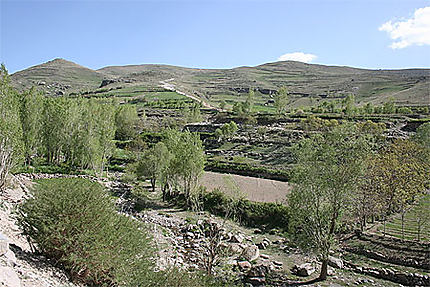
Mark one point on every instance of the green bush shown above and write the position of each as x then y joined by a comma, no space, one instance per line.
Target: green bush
266,215
74,222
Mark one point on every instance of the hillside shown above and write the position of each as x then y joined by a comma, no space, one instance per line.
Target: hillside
57,77
307,83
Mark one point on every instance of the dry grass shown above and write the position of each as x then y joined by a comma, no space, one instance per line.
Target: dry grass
255,189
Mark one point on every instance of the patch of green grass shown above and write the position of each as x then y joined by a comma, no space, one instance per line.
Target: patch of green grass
393,226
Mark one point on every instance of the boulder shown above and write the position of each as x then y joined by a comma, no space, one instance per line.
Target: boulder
237,238
335,262
244,265
251,252
303,270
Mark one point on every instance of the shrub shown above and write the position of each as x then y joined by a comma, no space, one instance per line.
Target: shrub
74,222
249,213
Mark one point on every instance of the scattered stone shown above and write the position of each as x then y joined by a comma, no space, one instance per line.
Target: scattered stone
237,238
244,265
278,263
264,256
335,262
303,270
251,253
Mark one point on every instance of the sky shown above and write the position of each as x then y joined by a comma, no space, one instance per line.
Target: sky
378,34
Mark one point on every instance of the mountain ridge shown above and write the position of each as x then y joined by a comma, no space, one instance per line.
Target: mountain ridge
407,86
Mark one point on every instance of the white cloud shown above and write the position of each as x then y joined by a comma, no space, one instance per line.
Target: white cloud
413,31
298,56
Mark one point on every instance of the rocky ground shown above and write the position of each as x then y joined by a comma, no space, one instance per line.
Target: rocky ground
184,239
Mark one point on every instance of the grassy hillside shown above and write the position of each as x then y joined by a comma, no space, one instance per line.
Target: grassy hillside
307,83
58,77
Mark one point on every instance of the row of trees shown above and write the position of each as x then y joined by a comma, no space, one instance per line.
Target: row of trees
344,173
349,107
79,132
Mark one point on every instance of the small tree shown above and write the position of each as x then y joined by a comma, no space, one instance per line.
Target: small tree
11,146
422,135
281,100
401,172
421,215
186,163
222,105
153,163
31,105
328,172
125,120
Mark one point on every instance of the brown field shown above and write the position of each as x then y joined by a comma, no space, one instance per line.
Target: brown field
255,189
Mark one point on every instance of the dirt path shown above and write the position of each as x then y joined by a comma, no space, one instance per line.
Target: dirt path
171,87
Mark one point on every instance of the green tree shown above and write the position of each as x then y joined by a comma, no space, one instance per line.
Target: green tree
56,122
31,105
186,164
349,104
401,172
153,163
222,104
329,169
389,107
249,103
422,135
126,119
369,108
281,100
11,145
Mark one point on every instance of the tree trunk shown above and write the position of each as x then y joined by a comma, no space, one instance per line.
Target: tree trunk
324,267
153,184
403,225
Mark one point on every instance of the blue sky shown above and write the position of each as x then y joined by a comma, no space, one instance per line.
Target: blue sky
215,34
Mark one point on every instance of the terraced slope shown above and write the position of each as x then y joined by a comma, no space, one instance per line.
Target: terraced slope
306,83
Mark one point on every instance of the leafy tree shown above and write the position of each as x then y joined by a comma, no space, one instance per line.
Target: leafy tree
329,169
186,164
11,145
55,127
400,173
153,163
226,131
369,108
125,120
193,114
389,107
349,104
222,105
281,100
249,103
31,105
422,135
421,215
